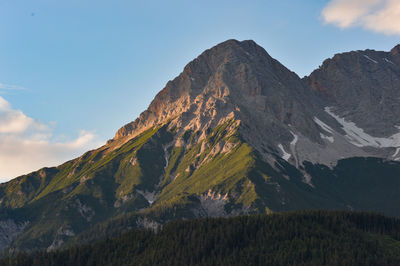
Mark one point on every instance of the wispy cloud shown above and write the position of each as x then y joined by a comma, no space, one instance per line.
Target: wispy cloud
382,16
26,144
10,87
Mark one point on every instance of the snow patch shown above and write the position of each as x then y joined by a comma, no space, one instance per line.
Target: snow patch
166,154
285,155
330,139
307,179
323,125
370,59
293,148
295,139
359,138
388,61
396,152
149,196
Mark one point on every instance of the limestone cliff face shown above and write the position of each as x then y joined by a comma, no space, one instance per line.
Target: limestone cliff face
234,80
279,113
233,76
363,87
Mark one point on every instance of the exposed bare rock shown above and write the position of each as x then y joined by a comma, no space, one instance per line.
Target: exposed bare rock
133,161
66,231
9,230
143,222
63,233
362,84
213,204
233,80
119,202
56,244
84,210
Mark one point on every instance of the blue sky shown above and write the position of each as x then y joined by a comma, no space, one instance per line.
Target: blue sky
76,71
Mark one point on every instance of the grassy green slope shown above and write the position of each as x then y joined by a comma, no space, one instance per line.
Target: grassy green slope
105,183
83,192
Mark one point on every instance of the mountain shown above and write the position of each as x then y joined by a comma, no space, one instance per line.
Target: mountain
235,133
358,85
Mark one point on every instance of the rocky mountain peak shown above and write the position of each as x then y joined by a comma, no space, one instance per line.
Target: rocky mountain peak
395,50
230,50
280,114
233,74
372,77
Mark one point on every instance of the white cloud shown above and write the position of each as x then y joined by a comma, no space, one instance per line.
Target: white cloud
382,16
26,145
13,121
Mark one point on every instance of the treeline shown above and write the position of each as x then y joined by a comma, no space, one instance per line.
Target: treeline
295,238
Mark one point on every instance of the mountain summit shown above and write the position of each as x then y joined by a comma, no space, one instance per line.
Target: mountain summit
228,73
235,133
233,80
279,112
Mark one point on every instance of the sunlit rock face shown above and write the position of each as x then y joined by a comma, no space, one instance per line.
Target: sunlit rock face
281,114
